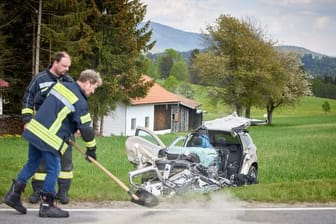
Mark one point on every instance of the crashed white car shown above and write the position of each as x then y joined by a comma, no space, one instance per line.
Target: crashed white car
219,153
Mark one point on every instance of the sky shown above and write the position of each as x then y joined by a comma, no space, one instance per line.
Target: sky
304,23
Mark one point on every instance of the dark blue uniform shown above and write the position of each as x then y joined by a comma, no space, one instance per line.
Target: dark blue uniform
34,96
62,113
37,90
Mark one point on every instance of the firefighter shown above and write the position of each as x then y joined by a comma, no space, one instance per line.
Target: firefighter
63,112
32,100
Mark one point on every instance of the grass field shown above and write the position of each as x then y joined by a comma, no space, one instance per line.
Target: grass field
296,159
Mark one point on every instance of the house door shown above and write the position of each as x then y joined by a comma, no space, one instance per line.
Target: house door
162,117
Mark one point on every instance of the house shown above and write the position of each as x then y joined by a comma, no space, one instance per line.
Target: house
161,111
3,85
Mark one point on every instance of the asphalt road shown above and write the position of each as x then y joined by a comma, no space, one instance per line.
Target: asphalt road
216,211
325,215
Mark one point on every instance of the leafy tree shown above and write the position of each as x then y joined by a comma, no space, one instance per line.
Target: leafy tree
186,90
173,63
235,61
326,106
289,83
193,73
247,69
180,70
171,83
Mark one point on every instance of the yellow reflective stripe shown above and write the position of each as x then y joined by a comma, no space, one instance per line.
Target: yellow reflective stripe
27,111
91,143
39,176
56,125
65,175
62,175
85,118
70,96
44,89
44,134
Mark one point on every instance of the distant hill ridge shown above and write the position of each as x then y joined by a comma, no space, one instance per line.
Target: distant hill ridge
168,37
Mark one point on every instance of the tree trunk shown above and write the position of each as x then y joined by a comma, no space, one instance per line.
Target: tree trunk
101,126
270,109
248,112
239,110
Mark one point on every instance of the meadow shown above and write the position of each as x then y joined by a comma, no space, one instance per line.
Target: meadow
296,159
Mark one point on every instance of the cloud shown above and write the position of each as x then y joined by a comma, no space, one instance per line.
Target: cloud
306,23
322,22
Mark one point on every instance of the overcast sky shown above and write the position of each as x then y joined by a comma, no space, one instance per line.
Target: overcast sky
305,23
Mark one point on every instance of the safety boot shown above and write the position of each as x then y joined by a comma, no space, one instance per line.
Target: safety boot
37,188
13,197
48,209
63,189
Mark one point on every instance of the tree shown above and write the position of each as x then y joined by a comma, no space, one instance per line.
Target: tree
120,42
289,83
326,106
247,69
235,61
17,26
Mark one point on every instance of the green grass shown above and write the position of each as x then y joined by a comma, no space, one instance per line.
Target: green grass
296,159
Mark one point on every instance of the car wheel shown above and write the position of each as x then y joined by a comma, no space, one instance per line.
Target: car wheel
253,174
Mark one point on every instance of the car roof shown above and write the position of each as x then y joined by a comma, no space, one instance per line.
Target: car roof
228,123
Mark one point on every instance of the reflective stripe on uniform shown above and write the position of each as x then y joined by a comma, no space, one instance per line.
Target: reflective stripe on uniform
58,121
63,99
85,118
27,111
62,175
44,85
91,143
47,136
65,175
65,92
39,176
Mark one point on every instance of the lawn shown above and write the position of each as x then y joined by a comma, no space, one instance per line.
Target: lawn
296,159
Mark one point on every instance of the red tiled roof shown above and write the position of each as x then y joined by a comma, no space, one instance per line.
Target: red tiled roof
3,83
159,95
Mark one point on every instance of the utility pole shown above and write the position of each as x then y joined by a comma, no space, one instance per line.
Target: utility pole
37,49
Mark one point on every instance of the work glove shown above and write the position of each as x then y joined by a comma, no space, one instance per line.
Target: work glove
90,152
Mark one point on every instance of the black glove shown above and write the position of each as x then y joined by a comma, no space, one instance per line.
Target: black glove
91,153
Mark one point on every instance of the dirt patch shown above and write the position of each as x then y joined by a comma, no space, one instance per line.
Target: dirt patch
11,125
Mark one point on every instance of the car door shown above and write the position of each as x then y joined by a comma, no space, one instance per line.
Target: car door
143,147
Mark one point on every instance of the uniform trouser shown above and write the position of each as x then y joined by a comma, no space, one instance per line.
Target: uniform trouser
65,176
52,165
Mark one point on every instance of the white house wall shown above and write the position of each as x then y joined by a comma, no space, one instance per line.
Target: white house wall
116,123
139,113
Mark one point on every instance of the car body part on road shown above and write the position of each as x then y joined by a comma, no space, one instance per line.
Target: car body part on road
141,196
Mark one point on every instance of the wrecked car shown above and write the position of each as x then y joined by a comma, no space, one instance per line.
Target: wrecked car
217,154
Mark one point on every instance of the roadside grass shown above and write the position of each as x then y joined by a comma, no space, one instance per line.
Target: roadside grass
296,159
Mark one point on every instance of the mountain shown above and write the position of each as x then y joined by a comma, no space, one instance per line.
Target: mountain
168,37
299,50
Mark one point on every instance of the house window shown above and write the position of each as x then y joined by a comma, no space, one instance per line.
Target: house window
146,122
133,123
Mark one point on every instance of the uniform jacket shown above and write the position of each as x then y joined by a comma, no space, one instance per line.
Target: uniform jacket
37,90
63,112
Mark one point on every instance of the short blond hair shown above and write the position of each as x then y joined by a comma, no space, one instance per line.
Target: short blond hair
90,75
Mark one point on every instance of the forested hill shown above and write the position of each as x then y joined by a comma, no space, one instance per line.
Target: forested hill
315,63
184,42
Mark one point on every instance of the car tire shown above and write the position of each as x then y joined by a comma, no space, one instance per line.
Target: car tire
253,173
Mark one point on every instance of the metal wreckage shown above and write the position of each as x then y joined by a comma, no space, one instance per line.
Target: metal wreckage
218,154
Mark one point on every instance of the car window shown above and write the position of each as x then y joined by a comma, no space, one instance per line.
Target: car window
221,138
246,139
145,135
